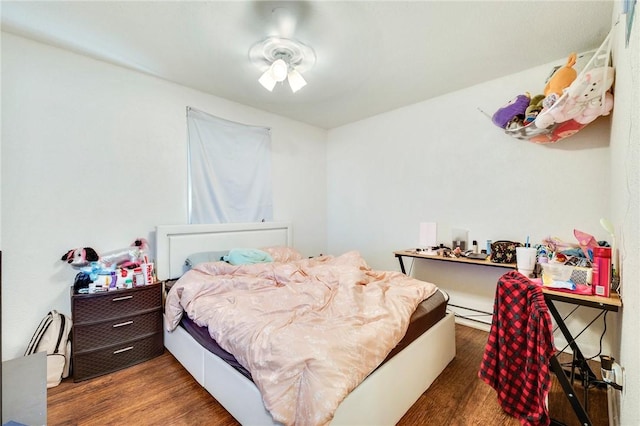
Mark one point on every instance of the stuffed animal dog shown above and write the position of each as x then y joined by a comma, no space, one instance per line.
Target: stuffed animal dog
126,257
80,256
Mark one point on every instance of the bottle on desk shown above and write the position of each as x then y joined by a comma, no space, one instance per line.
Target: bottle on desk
601,281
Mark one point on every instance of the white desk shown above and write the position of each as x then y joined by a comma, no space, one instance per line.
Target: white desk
419,255
470,283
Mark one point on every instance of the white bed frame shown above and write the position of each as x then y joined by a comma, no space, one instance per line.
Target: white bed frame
381,399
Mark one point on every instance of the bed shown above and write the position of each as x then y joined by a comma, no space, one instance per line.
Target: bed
381,398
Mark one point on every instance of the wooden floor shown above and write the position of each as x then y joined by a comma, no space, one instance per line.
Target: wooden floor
161,392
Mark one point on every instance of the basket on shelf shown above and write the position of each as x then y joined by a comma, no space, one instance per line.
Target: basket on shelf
552,272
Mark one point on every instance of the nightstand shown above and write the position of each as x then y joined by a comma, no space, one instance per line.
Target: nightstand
116,329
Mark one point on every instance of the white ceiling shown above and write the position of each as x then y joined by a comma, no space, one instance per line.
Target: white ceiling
372,56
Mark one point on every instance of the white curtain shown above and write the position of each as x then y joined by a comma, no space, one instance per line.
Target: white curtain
229,170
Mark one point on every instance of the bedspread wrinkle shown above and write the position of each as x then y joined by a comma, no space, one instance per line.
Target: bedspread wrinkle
309,331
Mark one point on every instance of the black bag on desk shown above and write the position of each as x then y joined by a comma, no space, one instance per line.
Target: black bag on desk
504,251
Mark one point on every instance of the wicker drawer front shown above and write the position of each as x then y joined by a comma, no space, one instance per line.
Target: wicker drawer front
115,304
112,332
93,364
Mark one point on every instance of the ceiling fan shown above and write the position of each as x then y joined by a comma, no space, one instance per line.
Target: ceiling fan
282,57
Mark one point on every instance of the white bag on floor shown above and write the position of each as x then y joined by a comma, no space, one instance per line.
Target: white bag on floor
53,336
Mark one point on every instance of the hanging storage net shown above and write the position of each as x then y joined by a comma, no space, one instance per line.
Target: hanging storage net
571,99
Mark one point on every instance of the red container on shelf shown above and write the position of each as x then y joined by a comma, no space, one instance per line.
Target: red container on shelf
601,271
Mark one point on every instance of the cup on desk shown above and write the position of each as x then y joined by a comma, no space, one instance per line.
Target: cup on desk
526,260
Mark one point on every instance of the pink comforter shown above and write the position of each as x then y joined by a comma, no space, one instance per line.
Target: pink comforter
309,331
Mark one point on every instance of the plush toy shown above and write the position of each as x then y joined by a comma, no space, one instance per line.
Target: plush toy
558,132
588,93
128,257
566,129
515,107
582,100
515,123
562,78
591,84
594,109
534,108
550,100
80,256
563,110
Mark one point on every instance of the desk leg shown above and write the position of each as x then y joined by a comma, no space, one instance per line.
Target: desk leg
401,264
580,359
580,362
570,392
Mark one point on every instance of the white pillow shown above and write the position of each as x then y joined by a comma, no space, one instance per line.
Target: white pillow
205,256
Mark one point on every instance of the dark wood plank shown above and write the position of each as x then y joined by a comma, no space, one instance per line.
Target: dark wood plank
150,393
154,393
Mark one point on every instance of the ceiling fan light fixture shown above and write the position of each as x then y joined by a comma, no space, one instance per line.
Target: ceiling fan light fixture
281,59
267,80
279,70
296,81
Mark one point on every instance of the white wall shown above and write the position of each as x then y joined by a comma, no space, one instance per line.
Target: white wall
625,203
443,161
95,155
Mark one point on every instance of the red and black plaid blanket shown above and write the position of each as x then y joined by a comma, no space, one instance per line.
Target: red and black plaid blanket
518,350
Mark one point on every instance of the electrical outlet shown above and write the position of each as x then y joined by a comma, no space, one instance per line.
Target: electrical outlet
620,373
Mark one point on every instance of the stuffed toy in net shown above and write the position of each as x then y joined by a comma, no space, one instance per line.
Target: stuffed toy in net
562,78
572,100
